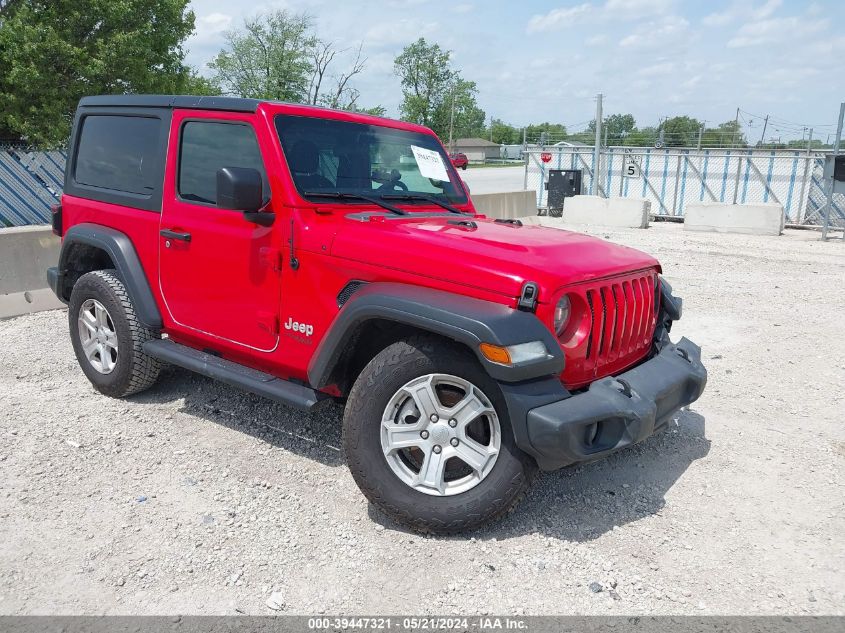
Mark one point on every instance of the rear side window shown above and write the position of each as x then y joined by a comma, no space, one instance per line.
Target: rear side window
118,153
208,146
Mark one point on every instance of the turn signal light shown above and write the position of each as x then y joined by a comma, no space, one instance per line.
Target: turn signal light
514,354
495,354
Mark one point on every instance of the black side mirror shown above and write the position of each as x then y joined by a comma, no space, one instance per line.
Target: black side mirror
241,189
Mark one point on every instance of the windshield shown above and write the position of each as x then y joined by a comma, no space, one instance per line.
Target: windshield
328,156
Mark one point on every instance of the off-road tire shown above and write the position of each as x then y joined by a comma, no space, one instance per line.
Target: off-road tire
387,372
134,371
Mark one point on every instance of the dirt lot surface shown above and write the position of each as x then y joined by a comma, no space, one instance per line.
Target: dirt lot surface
196,498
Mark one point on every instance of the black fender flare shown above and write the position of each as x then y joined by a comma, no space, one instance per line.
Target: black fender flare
122,253
463,319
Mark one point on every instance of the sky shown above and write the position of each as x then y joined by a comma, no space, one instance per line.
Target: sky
537,61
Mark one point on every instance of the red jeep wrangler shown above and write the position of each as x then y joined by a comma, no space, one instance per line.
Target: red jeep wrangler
306,254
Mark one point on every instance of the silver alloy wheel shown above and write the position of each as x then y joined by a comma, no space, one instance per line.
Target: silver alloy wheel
440,434
97,336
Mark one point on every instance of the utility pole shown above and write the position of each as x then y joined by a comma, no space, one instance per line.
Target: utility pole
736,129
605,137
829,197
765,125
700,133
452,121
491,128
597,148
810,141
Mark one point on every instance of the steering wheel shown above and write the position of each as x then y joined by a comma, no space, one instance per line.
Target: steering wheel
390,180
392,185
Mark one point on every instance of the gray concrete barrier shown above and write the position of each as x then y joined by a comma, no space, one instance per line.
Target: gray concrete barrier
509,204
599,211
25,254
754,219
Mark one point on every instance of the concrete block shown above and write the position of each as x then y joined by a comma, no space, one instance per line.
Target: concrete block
18,303
509,204
598,211
26,252
718,217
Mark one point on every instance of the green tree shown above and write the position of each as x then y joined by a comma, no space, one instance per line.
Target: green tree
52,52
727,134
615,128
426,78
430,88
374,110
681,131
551,132
468,119
269,58
642,137
505,133
815,144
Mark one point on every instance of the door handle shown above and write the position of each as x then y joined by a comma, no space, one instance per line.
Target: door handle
175,235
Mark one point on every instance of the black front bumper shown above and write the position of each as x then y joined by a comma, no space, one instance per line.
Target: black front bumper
616,412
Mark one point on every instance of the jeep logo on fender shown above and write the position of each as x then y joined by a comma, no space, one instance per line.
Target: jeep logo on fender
296,326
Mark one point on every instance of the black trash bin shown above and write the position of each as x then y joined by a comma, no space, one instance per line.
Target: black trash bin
562,184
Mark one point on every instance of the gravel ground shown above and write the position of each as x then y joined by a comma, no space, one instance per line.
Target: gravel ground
196,498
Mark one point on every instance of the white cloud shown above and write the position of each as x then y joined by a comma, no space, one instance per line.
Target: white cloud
558,18
596,40
656,70
636,8
210,27
742,10
463,8
402,31
776,30
664,33
718,19
767,9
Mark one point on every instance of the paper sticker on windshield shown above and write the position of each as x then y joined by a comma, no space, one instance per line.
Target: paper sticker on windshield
430,163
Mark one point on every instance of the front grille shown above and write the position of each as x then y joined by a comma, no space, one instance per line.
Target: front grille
621,325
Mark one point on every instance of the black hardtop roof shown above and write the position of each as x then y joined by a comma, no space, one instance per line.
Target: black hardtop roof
235,104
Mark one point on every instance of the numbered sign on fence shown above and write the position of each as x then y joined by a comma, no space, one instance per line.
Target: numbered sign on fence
631,166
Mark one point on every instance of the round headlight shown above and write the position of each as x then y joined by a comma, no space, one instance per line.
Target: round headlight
563,310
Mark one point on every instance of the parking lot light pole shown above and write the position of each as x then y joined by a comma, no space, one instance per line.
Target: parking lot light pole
597,148
829,184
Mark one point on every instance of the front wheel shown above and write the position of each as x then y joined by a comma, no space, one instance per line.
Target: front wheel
428,439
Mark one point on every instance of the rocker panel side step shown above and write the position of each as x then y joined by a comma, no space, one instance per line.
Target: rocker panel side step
231,373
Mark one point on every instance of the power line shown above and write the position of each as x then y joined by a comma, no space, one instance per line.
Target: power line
796,126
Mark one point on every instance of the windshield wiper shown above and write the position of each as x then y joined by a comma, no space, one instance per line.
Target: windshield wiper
421,198
339,195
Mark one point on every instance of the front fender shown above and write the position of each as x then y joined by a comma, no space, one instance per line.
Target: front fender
463,319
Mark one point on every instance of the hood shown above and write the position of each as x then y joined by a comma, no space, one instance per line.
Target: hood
493,256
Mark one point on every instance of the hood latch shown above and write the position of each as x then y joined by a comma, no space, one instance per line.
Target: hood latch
528,297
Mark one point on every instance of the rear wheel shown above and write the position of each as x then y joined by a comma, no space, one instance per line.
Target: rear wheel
428,440
107,336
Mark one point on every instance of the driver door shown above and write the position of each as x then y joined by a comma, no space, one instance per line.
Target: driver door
217,272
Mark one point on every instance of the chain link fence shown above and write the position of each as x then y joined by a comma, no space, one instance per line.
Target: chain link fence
673,178
30,183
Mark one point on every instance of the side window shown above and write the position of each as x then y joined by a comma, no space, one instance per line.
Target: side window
118,153
207,146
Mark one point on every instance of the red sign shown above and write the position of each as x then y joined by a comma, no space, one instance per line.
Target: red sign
546,157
